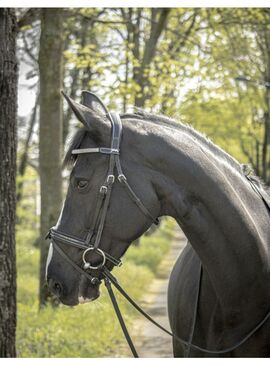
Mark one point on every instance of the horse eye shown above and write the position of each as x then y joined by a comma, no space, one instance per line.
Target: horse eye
82,184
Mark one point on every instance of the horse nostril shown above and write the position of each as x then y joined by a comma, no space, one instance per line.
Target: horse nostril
55,287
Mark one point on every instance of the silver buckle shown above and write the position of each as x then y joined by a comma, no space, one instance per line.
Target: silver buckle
114,151
110,179
122,178
109,151
103,190
87,265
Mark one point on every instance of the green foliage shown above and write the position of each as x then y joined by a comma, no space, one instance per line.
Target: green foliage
152,254
89,330
28,208
234,114
85,331
219,120
191,73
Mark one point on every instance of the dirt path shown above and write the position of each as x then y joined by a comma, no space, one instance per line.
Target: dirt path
148,339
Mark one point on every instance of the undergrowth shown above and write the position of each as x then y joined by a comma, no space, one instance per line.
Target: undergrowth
89,330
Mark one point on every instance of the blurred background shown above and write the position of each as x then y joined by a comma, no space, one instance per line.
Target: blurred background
206,67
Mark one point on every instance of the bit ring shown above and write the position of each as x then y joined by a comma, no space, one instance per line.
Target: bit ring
87,265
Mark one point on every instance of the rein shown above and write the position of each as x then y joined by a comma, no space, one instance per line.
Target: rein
93,238
110,279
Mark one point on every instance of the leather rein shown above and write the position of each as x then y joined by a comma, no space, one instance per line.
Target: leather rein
93,238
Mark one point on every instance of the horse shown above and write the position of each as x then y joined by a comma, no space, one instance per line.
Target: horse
218,290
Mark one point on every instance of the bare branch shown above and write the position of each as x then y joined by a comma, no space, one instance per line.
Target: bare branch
27,49
24,158
187,33
34,165
97,20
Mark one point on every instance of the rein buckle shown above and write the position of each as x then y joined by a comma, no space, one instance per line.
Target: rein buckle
122,178
110,179
103,190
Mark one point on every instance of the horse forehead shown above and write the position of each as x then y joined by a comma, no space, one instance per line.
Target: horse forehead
89,165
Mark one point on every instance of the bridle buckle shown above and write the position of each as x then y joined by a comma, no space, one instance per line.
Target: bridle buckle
103,190
109,151
110,179
122,178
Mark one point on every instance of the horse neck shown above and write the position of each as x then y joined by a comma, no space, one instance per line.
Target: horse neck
225,221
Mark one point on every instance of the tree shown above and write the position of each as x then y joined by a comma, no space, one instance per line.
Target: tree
50,138
140,51
144,59
156,46
27,52
233,43
249,44
24,157
8,143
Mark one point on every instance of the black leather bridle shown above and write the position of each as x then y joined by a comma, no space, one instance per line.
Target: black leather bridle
93,239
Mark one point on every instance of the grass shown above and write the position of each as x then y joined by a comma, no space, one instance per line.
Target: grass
89,330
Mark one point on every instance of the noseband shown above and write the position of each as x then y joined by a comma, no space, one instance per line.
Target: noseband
91,243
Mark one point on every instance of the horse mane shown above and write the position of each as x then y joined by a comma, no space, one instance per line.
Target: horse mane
162,120
186,128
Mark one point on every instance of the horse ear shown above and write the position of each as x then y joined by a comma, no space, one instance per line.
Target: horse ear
93,102
92,119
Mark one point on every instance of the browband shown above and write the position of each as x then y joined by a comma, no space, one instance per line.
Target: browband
105,150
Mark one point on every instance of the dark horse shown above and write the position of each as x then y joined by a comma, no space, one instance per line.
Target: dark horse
176,172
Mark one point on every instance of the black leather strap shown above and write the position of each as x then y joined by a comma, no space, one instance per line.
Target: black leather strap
93,230
119,316
195,312
123,180
113,280
78,243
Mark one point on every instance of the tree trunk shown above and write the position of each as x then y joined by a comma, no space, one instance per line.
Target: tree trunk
24,158
143,50
77,80
8,144
266,137
51,134
125,100
158,24
67,116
